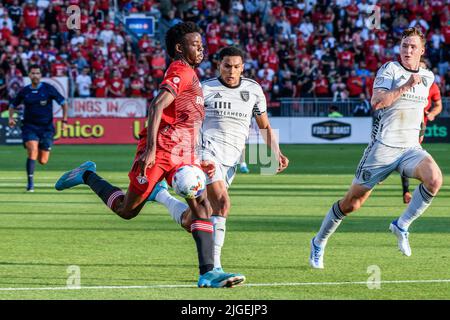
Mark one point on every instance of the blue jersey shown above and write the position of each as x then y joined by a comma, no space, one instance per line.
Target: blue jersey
38,103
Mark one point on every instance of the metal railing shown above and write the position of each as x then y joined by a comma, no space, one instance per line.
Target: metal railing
319,107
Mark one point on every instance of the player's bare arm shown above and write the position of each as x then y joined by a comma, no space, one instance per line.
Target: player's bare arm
383,98
435,111
271,140
12,121
65,109
162,101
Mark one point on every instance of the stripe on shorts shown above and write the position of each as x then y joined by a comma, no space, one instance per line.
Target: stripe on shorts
364,159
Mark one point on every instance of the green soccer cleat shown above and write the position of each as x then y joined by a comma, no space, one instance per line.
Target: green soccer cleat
213,279
74,177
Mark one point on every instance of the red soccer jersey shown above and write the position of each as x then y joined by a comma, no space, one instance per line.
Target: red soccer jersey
31,17
182,119
433,96
116,85
99,86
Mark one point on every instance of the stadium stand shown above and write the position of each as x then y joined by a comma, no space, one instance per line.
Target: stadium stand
311,49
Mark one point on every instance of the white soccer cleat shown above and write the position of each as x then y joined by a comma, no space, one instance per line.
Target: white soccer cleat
316,255
402,237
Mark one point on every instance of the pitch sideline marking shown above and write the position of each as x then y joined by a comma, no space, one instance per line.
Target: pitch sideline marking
280,284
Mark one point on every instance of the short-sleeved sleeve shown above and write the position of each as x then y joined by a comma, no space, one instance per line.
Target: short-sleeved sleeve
261,102
175,80
17,101
384,78
56,95
435,94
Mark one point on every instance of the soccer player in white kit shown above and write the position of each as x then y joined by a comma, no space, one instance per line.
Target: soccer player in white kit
230,102
400,91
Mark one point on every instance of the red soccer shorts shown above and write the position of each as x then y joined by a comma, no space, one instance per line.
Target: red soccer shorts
165,167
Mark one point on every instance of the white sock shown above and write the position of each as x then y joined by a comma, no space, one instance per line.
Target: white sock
219,238
421,200
329,225
176,207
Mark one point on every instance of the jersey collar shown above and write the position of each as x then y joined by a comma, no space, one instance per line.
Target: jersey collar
409,70
37,88
228,86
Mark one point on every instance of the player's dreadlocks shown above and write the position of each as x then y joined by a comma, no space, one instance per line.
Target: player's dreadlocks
230,52
176,35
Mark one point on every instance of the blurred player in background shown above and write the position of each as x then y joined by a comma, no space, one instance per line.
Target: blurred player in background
167,144
431,111
401,90
37,124
230,103
243,168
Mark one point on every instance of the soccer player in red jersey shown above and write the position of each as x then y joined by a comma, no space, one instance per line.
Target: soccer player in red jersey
168,143
434,98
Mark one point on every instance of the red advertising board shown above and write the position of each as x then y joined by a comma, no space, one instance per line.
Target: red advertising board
99,131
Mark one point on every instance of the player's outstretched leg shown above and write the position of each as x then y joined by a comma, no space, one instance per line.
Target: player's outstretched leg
127,206
353,200
177,209
74,177
429,173
405,186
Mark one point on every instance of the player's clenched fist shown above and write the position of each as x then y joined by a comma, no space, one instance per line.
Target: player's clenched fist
208,167
283,162
413,80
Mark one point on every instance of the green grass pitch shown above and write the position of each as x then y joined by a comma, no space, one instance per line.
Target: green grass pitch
271,223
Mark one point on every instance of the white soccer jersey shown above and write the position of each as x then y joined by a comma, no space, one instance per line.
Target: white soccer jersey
399,124
228,114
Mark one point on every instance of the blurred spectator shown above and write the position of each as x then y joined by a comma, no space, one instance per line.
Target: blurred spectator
3,91
116,86
340,90
363,108
84,83
354,85
100,85
136,86
321,89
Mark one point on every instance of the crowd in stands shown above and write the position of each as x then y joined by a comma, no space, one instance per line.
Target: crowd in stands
304,48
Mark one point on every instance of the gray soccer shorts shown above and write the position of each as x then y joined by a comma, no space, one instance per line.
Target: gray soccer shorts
380,160
223,173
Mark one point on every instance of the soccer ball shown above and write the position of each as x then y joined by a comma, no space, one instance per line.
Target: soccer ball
189,182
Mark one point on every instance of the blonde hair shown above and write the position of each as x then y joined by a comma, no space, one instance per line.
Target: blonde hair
410,32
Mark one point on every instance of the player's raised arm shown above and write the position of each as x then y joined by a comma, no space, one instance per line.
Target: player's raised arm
161,101
383,98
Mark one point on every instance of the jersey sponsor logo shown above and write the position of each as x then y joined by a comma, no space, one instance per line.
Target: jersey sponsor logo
176,80
199,100
43,102
245,95
217,96
222,105
141,179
